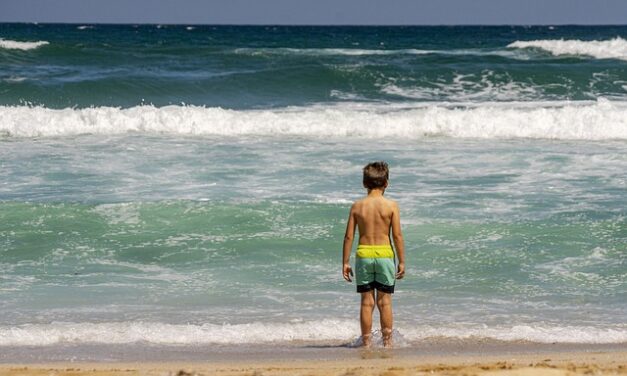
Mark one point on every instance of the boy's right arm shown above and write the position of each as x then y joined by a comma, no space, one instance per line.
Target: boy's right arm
347,272
397,236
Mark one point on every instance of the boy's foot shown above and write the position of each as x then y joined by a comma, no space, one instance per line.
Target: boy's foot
387,337
366,340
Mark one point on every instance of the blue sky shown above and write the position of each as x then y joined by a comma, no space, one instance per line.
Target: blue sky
361,12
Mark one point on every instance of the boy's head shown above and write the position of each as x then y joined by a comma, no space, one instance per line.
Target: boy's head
376,175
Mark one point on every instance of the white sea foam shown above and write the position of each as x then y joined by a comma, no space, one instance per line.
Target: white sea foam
338,94
160,333
366,52
533,333
16,45
483,87
257,332
601,49
329,51
599,120
14,79
121,213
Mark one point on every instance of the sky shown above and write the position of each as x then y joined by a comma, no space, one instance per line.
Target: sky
316,12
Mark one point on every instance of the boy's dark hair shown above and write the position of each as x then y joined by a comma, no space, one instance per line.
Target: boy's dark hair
376,175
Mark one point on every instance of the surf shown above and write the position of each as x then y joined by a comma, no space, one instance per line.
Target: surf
327,330
24,46
615,48
596,120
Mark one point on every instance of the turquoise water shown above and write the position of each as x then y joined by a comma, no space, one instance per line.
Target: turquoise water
128,216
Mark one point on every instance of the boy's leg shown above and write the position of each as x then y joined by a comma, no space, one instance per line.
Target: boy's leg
365,316
384,303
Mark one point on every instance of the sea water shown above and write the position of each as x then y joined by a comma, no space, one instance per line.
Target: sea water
178,185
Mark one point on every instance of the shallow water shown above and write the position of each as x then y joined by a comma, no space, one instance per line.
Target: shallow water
239,240
195,224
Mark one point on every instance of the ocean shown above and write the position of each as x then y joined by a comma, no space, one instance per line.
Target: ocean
189,185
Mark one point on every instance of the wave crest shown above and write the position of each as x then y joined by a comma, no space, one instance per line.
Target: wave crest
601,49
16,45
328,51
373,52
600,120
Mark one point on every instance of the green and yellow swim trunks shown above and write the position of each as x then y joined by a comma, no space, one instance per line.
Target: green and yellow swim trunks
375,268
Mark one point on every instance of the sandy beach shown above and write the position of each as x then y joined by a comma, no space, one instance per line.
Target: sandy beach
360,362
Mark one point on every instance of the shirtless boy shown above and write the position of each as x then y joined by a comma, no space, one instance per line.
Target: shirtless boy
375,216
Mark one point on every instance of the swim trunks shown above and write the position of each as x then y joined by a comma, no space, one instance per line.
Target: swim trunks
375,268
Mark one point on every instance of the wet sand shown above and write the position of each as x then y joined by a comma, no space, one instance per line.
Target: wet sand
602,361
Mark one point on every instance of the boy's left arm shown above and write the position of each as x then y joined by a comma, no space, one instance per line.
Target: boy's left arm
347,272
399,244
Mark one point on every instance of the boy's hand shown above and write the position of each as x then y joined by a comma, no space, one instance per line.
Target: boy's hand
347,272
401,271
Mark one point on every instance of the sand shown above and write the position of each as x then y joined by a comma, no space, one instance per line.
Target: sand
373,362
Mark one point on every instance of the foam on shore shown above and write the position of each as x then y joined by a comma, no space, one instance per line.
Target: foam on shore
257,332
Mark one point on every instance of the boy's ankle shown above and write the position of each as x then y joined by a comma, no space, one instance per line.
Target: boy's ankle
386,334
366,340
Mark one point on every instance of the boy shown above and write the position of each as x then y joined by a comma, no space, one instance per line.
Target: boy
374,264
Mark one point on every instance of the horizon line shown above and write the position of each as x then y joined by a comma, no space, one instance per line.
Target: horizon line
299,25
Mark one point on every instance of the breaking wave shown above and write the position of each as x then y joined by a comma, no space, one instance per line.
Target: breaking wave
600,120
373,52
16,45
329,51
257,332
601,49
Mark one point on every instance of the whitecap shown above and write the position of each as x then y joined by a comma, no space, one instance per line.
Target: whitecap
16,45
601,49
329,51
599,120
14,79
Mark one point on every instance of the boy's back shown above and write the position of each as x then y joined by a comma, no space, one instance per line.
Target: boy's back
373,215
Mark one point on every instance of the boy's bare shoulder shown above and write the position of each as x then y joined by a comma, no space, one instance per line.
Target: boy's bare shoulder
391,202
357,204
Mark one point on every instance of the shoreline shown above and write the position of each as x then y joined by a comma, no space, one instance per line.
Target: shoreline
296,350
597,360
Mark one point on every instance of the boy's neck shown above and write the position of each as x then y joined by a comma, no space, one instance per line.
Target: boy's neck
376,192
